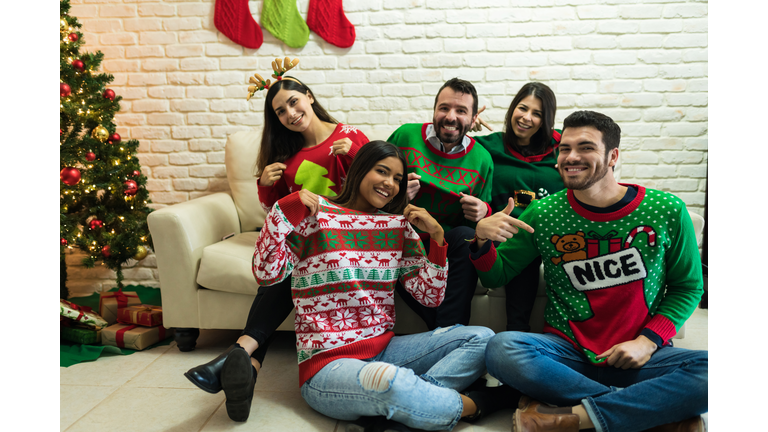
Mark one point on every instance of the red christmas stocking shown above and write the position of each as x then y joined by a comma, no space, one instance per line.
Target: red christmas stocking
327,19
233,18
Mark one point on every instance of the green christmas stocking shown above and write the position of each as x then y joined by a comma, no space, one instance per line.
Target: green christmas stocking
282,19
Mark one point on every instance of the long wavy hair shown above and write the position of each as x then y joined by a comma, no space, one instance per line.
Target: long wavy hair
279,143
364,161
543,137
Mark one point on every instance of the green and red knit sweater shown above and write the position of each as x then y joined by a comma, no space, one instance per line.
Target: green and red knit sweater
344,266
444,176
609,276
524,178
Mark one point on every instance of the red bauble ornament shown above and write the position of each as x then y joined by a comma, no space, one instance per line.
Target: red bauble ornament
63,242
95,223
90,156
64,90
130,187
79,65
109,94
136,173
70,176
73,37
105,251
114,138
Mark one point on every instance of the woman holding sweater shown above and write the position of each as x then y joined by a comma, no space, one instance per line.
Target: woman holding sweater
346,254
524,155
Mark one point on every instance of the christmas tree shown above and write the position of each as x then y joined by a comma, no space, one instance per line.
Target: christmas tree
103,202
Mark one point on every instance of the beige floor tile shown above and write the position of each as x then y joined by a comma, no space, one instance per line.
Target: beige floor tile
146,410
77,400
111,370
275,412
281,368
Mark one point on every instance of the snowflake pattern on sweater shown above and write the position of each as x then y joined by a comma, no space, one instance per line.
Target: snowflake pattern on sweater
344,267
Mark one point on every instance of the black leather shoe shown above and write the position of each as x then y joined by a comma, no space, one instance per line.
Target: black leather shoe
208,376
238,380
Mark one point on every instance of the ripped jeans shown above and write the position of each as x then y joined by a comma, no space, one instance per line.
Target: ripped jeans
414,381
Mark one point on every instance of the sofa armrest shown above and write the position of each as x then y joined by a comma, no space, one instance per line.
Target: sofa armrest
180,233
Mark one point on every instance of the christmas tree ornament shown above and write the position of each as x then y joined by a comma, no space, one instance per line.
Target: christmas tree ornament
95,223
141,253
105,251
130,187
100,133
78,65
73,37
279,68
64,90
327,19
64,242
114,138
109,94
70,176
282,19
136,173
233,18
90,156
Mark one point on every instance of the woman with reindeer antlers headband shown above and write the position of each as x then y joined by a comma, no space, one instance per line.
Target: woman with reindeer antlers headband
302,148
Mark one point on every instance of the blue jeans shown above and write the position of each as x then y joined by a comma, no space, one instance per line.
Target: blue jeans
414,381
671,387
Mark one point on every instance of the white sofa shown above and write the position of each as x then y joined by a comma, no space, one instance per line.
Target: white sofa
207,283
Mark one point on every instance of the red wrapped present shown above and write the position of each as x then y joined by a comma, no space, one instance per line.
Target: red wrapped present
143,315
133,336
599,245
110,302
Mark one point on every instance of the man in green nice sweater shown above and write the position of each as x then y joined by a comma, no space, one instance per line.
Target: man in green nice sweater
450,176
623,274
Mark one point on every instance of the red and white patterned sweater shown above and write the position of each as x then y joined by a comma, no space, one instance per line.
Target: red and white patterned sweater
344,267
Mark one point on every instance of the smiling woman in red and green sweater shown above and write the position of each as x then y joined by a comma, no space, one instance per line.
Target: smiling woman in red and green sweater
346,255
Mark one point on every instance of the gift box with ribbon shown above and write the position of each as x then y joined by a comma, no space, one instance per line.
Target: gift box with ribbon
602,244
133,336
143,315
111,302
81,314
81,335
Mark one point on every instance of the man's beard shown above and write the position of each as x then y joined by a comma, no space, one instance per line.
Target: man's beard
460,129
600,171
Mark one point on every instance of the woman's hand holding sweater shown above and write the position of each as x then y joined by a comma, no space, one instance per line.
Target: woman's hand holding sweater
424,221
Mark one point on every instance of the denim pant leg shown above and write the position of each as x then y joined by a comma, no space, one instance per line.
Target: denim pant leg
413,381
460,284
672,386
269,309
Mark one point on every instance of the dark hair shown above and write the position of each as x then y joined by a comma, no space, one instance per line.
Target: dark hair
610,130
460,86
541,140
364,161
279,143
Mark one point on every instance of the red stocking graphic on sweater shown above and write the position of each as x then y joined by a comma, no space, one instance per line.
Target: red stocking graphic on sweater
612,282
233,18
327,19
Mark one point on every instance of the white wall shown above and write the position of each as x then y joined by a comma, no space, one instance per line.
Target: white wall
642,62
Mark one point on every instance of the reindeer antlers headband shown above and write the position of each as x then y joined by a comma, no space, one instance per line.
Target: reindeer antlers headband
280,67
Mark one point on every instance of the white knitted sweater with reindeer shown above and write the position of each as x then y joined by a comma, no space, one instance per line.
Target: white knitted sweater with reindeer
345,265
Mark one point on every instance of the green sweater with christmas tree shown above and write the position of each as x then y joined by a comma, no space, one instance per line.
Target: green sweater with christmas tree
524,178
444,176
610,276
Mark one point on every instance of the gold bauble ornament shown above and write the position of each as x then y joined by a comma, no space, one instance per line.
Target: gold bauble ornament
141,253
100,133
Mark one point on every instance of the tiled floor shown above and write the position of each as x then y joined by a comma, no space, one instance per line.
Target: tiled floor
146,391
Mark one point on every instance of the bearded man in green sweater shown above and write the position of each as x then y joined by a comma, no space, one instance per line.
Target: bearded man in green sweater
623,274
449,175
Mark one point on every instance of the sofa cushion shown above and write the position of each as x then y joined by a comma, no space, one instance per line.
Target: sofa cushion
240,156
226,265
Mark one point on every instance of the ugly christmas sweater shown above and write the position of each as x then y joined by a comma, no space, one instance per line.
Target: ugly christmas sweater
315,168
524,178
606,273
443,175
345,265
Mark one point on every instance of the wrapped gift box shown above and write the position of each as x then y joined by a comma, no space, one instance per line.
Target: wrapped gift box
81,314
133,336
110,302
143,315
81,335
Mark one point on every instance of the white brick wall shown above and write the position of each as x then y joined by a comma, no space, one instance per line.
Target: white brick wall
643,62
